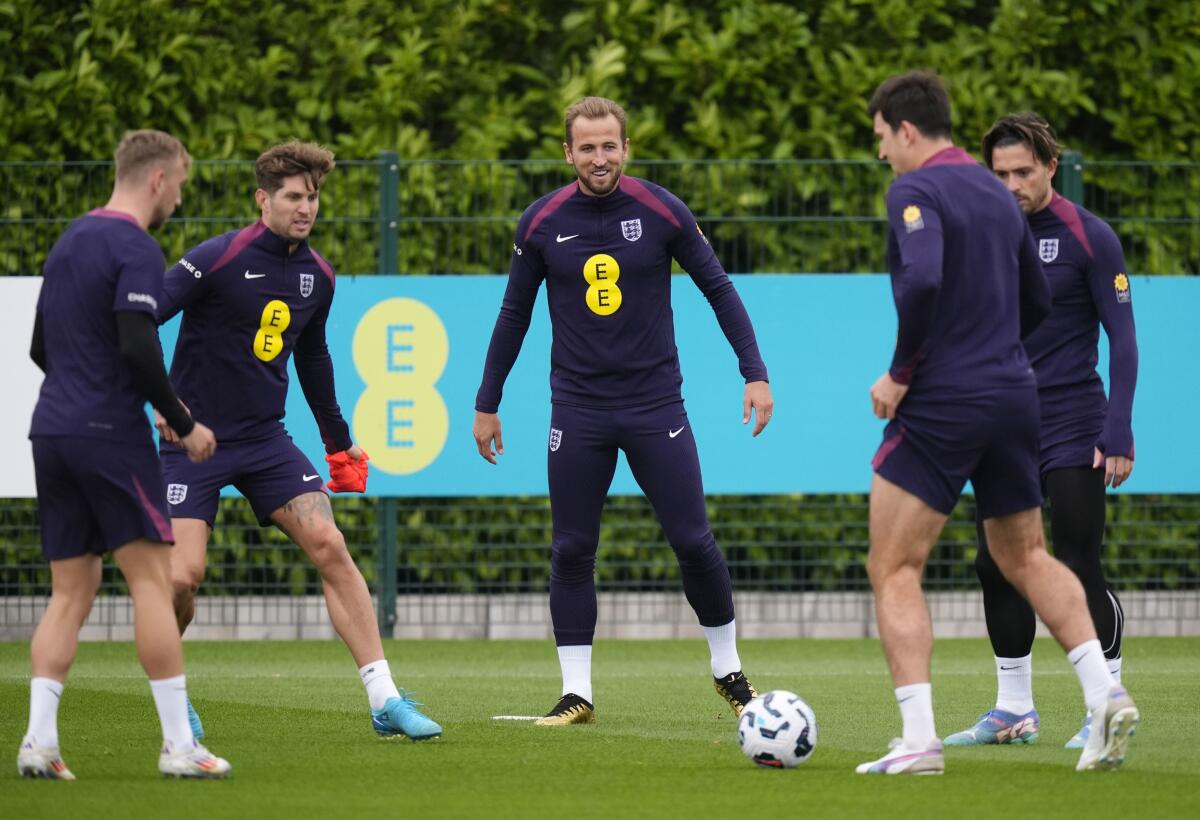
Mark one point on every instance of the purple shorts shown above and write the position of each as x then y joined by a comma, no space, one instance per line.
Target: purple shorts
96,495
936,443
1072,423
270,472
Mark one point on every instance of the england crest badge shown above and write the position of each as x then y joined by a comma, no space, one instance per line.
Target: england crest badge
176,493
555,439
631,229
1048,249
306,284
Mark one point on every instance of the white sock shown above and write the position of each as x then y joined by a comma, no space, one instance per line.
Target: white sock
1014,684
44,696
1094,677
722,645
170,699
916,709
377,677
1114,669
576,663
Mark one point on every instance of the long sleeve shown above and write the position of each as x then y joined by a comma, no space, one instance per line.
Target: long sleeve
1110,287
137,336
314,369
918,244
525,275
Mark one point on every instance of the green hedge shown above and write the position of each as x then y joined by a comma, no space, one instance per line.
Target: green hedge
485,79
775,543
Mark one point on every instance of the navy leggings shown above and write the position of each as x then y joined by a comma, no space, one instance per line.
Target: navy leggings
1076,497
658,443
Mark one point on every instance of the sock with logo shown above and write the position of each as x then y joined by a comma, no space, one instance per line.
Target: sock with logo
1014,684
377,677
1094,677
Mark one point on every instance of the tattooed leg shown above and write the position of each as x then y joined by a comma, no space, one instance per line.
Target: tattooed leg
308,520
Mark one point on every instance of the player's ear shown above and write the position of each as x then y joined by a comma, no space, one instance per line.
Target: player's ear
157,178
1052,166
567,153
261,197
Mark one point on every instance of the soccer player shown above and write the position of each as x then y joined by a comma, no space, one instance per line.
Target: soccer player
250,298
961,403
604,245
1086,439
99,485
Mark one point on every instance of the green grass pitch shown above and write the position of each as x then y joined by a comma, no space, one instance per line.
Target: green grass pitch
292,718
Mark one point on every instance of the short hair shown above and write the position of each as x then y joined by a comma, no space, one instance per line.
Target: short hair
920,97
291,159
1027,128
139,150
595,108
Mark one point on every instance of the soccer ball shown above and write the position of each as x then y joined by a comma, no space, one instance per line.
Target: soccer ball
777,730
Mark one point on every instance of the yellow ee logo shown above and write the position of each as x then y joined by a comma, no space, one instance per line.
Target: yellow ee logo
268,341
400,350
601,273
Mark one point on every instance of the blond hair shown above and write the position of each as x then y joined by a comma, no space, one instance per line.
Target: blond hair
139,150
595,108
291,159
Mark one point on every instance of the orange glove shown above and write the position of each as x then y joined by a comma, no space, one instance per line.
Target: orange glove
347,475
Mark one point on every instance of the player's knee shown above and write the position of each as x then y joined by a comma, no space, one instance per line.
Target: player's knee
572,556
328,550
698,551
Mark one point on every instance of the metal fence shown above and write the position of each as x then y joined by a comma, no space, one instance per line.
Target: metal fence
450,217
463,555
467,551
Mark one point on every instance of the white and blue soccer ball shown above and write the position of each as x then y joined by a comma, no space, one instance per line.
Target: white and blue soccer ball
778,730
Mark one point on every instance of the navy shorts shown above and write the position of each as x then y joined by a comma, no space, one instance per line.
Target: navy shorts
96,495
270,472
936,443
1072,423
660,449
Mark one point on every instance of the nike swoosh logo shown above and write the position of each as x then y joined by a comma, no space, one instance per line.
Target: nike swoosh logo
674,433
1007,668
560,238
311,477
250,275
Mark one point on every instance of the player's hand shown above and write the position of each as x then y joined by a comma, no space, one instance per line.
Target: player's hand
165,431
886,395
200,443
348,470
487,430
757,398
1116,468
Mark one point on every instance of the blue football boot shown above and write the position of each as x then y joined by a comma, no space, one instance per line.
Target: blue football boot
400,717
1080,738
998,726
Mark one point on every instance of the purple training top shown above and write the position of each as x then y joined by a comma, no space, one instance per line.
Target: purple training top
965,276
104,262
606,262
247,305
1083,260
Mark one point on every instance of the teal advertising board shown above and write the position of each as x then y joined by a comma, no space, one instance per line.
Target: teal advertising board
408,352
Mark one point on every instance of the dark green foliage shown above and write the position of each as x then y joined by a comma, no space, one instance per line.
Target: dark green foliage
487,79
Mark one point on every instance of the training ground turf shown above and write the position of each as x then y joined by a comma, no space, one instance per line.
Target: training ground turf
292,718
